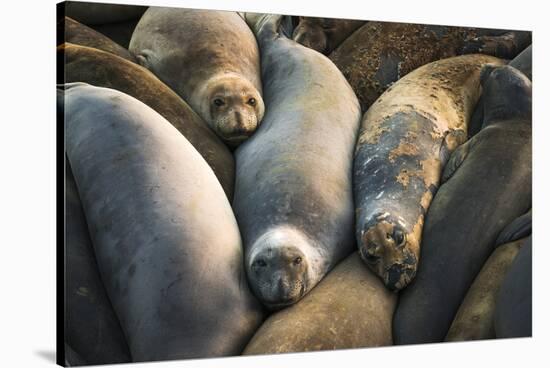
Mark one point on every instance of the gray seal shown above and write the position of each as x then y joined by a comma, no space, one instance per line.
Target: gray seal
102,69
350,308
211,59
486,185
166,240
293,195
92,329
405,140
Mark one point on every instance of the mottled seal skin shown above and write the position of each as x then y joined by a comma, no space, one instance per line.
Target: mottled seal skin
404,141
324,34
79,34
293,198
91,327
514,309
98,13
474,319
165,237
84,64
350,308
486,185
379,53
211,59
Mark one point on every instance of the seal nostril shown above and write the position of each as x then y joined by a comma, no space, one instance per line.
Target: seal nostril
394,275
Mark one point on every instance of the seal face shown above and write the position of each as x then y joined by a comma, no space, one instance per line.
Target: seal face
211,59
278,268
235,108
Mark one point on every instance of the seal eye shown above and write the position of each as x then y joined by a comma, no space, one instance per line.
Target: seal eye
252,101
297,260
219,102
260,263
398,236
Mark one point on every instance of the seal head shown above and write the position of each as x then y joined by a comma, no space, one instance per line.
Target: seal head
280,267
232,107
387,247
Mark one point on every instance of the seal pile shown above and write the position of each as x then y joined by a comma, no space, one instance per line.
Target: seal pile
256,184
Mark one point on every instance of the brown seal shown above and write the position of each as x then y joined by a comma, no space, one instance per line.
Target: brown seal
89,65
379,53
211,59
350,308
474,319
324,34
79,34
404,142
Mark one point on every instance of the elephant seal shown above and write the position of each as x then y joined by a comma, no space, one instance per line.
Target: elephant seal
293,198
91,327
98,13
514,308
84,64
350,308
474,318
324,34
174,275
79,34
211,59
523,63
486,185
404,141
380,53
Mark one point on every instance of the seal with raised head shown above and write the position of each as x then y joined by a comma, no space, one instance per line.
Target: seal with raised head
486,185
380,53
165,238
293,196
102,69
350,308
324,34
91,327
474,318
514,309
211,59
404,141
80,34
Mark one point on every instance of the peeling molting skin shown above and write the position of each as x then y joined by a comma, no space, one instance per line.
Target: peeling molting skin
397,164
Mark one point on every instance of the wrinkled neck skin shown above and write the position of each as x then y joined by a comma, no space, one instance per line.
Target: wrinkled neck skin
287,235
506,96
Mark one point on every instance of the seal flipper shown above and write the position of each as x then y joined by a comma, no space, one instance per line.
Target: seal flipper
517,229
456,159
265,26
451,140
505,46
